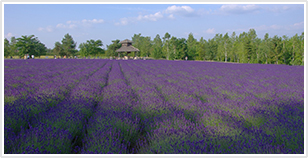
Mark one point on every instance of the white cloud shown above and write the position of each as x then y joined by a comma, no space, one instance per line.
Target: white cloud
295,26
275,27
69,26
171,16
74,24
253,8
239,9
40,29
9,35
151,17
148,17
168,13
261,28
277,9
48,29
271,27
210,31
60,26
179,9
94,21
300,24
124,21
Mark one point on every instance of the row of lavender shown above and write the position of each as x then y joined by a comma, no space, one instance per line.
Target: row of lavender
169,107
267,113
39,123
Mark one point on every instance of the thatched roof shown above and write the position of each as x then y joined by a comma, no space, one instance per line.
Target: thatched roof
126,41
127,47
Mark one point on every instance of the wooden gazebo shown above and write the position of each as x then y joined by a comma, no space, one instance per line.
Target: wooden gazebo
127,47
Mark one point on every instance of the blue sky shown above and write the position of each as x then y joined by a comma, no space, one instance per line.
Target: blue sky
107,22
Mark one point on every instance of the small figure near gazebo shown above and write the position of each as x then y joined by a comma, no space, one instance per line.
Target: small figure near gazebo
127,47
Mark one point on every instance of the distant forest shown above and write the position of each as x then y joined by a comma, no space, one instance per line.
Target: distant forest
243,48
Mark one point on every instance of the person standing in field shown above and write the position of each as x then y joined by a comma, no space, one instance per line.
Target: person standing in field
186,58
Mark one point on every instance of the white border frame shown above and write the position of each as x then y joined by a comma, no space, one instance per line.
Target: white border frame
150,155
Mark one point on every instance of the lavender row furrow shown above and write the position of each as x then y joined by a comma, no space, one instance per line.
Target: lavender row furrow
36,107
113,124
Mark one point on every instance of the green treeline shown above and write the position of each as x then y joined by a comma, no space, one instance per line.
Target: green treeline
243,48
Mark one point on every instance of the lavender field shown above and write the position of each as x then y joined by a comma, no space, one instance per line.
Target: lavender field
97,106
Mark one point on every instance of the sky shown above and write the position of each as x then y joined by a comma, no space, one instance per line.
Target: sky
107,22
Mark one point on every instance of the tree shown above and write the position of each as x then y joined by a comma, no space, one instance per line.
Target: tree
285,49
41,48
201,50
95,47
84,50
226,43
137,42
91,47
145,48
301,51
166,43
249,44
112,48
58,49
220,47
276,47
212,49
232,47
69,46
157,47
266,49
30,45
257,50
143,44
13,46
7,49
181,48
173,46
191,47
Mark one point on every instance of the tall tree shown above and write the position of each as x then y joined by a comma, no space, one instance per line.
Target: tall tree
226,43
201,50
295,43
276,47
302,45
7,49
232,48
173,46
220,47
69,46
137,42
91,47
30,45
212,49
266,49
249,44
181,49
285,51
166,42
13,46
157,47
84,50
58,49
111,49
191,46
257,50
